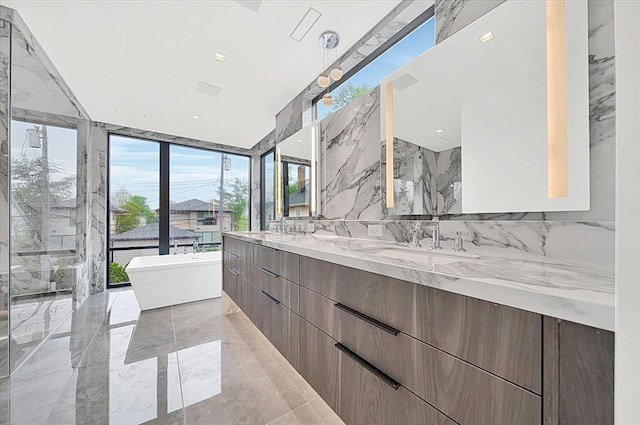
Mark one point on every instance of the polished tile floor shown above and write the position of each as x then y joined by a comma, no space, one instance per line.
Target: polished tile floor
111,364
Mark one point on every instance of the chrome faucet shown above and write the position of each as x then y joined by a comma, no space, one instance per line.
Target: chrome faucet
457,242
195,247
435,239
175,247
415,242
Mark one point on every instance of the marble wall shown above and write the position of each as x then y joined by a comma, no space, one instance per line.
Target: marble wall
350,161
452,15
427,182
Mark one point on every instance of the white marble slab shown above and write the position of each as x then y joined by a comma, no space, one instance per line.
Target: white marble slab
574,290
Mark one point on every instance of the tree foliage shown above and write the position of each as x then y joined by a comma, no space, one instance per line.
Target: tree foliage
236,196
347,94
135,207
28,189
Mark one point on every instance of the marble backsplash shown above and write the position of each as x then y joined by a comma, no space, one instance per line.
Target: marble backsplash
585,241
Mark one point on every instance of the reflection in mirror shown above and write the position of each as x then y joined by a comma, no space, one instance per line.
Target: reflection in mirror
480,99
297,174
424,181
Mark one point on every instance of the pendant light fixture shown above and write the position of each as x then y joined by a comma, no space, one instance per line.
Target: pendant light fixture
329,40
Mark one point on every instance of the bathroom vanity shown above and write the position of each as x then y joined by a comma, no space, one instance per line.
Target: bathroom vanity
401,339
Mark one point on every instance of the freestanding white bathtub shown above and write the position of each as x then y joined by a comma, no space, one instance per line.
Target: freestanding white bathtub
163,280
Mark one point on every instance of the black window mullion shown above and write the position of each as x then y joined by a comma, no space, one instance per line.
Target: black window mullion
163,218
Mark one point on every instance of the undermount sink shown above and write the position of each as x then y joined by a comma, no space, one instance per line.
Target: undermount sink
415,254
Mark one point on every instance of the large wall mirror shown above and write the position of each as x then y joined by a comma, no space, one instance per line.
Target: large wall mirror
296,178
493,119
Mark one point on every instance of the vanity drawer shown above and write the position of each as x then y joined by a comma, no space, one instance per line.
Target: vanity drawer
320,363
503,340
279,324
235,246
464,392
365,399
279,288
236,263
281,263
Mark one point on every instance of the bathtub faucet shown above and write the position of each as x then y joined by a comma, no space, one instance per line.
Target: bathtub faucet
175,247
195,247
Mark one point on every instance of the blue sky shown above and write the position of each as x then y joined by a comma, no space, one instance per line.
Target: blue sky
402,52
194,173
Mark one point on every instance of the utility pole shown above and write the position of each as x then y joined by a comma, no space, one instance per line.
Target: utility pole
46,196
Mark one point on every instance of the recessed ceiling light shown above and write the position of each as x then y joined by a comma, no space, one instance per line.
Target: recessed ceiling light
299,141
439,130
220,57
487,37
195,117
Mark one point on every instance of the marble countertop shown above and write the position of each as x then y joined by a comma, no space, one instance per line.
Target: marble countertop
578,291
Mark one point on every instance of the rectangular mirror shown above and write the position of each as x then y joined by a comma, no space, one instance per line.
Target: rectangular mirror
488,121
297,172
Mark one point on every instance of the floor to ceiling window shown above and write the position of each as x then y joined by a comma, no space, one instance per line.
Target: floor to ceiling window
268,189
163,198
209,194
134,200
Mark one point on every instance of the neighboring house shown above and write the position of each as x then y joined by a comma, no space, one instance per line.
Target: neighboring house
201,217
299,203
144,236
62,225
115,212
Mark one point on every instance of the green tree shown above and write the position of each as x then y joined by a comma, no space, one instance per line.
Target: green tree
135,207
28,188
236,197
348,93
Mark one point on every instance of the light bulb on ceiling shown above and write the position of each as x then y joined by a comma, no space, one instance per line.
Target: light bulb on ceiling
327,99
336,74
323,81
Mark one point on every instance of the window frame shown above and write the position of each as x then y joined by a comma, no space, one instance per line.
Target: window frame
164,201
400,35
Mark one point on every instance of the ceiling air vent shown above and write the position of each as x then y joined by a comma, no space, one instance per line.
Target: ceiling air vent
208,89
253,5
404,81
306,23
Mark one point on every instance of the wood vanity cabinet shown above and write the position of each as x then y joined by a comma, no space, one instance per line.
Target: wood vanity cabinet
384,351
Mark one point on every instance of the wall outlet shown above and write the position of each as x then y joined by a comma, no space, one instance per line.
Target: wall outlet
374,230
311,228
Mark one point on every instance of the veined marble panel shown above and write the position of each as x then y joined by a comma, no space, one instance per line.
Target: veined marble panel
588,241
289,119
350,161
38,86
453,15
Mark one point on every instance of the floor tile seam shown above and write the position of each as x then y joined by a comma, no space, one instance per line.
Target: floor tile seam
293,410
93,337
39,345
175,342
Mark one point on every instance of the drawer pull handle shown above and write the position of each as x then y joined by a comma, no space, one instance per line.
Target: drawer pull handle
370,320
371,368
233,272
270,273
270,297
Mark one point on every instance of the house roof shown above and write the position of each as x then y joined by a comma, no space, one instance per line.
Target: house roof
298,198
150,232
195,205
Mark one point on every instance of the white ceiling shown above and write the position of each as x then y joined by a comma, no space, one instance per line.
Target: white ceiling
138,63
